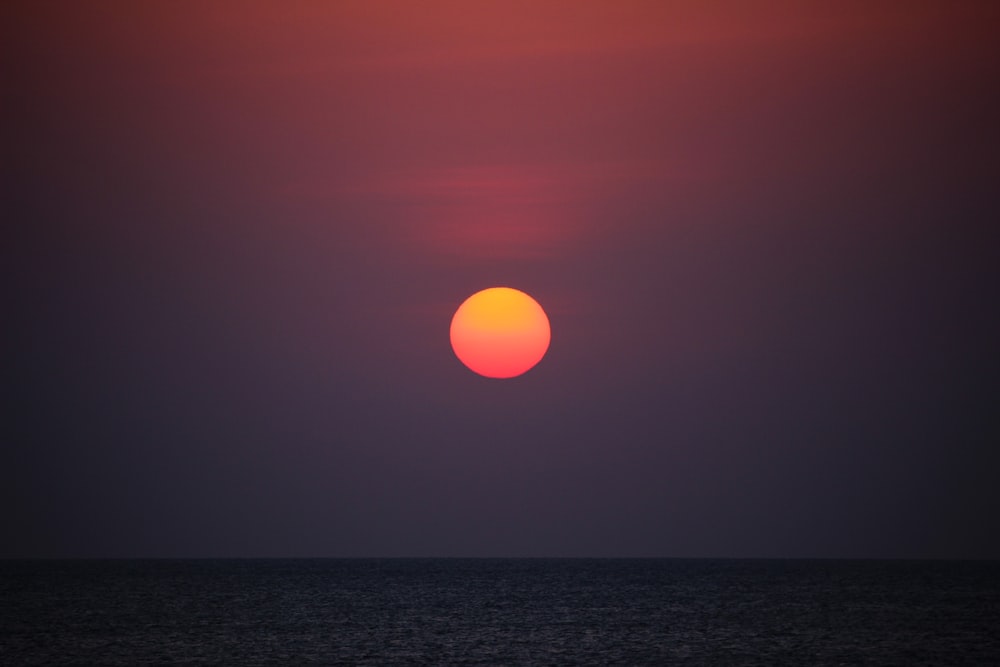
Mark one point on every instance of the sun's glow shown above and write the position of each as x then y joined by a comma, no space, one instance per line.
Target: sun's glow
500,332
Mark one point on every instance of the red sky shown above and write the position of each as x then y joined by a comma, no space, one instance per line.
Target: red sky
762,235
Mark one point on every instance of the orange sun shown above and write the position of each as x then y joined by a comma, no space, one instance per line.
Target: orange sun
500,332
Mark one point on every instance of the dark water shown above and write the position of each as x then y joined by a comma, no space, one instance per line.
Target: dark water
730,612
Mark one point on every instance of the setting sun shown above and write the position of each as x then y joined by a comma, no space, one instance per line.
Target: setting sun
500,332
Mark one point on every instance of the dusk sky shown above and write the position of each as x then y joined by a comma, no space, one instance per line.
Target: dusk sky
764,234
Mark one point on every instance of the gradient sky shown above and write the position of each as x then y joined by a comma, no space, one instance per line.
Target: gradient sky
764,234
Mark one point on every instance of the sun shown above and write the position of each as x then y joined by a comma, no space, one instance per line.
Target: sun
500,332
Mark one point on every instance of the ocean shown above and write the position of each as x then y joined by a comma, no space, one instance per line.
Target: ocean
499,612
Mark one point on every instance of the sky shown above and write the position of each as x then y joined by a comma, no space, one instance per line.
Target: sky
235,234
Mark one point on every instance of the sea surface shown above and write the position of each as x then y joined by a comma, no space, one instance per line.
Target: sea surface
499,612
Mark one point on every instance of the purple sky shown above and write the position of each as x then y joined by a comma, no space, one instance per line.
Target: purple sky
236,233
